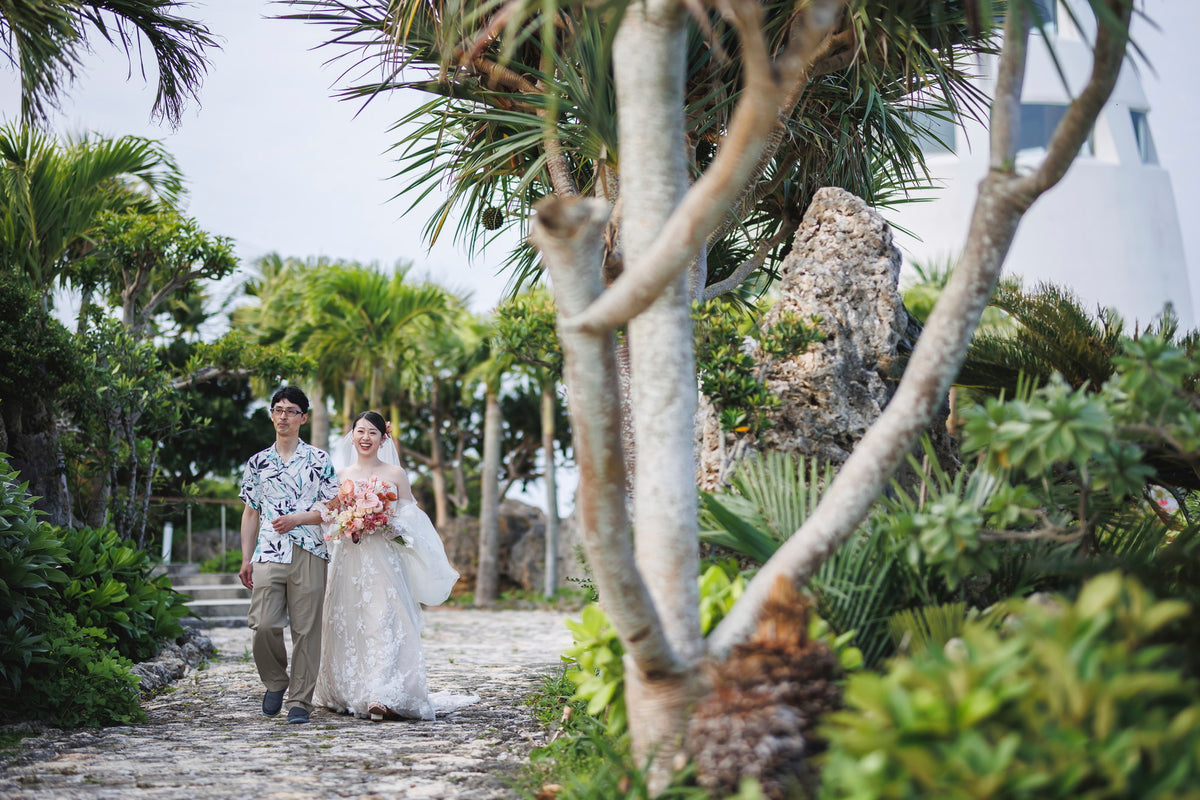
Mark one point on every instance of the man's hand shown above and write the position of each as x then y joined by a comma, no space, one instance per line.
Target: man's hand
284,523
246,575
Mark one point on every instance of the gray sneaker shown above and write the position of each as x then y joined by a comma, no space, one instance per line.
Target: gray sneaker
297,715
272,702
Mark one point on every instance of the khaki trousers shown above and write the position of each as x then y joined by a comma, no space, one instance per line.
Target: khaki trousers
294,591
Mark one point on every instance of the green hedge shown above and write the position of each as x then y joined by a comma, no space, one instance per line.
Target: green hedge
77,608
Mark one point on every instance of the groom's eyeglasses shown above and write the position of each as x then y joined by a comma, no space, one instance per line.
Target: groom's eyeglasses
286,413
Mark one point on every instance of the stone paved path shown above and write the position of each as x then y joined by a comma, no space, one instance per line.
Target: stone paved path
208,738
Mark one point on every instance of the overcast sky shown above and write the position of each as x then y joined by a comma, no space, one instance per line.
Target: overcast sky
274,162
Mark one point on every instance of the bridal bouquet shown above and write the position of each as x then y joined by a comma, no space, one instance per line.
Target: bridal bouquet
360,508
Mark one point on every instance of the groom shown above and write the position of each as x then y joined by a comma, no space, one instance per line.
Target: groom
286,573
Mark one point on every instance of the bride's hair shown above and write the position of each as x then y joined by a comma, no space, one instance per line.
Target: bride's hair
373,417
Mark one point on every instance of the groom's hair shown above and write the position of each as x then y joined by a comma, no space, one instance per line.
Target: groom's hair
373,417
292,394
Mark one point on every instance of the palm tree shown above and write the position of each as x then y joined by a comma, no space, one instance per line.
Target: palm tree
525,330
489,374
46,42
52,196
284,287
362,320
435,395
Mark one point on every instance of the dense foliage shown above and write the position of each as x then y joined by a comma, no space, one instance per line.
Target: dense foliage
77,607
734,352
1041,699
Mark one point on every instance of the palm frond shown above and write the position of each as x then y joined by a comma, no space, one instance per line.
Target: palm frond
45,41
927,627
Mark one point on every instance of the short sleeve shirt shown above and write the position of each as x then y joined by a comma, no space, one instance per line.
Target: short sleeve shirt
274,488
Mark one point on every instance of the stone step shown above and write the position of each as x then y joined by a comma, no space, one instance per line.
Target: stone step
215,591
223,622
184,582
210,609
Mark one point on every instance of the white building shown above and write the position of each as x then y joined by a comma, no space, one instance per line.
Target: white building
1109,230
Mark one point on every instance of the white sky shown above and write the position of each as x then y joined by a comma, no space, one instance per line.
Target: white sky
274,162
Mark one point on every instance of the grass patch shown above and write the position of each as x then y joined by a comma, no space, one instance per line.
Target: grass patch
10,740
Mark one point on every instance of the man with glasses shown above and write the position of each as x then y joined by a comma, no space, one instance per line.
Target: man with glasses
284,555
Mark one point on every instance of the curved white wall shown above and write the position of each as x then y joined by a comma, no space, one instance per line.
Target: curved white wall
1109,230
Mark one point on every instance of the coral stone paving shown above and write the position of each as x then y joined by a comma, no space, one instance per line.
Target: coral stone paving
208,738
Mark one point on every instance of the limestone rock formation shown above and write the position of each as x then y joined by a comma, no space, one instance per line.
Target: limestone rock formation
174,661
522,547
844,269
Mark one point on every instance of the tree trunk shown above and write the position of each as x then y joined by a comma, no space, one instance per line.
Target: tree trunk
349,398
376,396
570,236
437,463
649,71
34,452
549,406
320,416
487,577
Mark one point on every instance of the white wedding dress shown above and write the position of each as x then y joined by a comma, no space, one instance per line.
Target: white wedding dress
371,640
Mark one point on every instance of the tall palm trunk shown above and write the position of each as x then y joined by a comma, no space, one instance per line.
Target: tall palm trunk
320,416
437,460
349,398
487,578
376,396
549,406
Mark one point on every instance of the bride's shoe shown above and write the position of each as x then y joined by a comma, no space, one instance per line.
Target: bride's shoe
378,712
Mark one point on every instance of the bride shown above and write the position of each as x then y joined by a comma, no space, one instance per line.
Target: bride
372,663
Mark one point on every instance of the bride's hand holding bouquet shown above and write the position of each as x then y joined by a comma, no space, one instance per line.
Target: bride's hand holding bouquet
360,508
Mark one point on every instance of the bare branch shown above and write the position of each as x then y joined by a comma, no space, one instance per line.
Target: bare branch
1006,106
748,266
708,200
1047,532
1076,125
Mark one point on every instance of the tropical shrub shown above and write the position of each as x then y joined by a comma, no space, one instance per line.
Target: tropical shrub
1040,699
231,563
77,607
1056,493
31,556
728,339
81,680
111,588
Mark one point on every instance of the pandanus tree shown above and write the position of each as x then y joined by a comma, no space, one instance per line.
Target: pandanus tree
46,42
726,117
283,316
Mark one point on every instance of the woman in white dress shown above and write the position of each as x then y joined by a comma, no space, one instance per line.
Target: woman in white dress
372,662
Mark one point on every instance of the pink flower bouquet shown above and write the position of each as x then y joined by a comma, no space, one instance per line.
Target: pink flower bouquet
360,508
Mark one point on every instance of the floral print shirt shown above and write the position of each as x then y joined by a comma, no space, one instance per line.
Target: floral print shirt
274,488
